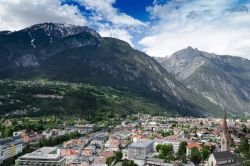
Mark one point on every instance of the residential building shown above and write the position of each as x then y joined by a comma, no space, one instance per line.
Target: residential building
69,154
89,151
99,141
17,133
31,137
10,147
191,146
75,142
100,160
140,148
113,144
224,158
42,156
82,129
82,160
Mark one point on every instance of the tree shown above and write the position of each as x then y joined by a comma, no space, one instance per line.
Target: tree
167,133
166,149
244,146
158,147
182,149
109,160
183,159
8,132
205,152
181,154
118,156
128,163
196,155
166,152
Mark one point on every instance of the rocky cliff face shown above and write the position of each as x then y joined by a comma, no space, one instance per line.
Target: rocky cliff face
78,54
224,80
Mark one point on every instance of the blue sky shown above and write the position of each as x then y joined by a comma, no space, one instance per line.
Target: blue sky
157,27
136,10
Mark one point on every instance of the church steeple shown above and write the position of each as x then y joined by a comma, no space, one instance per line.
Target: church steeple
225,145
225,128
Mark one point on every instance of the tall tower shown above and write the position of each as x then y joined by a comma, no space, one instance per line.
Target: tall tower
225,137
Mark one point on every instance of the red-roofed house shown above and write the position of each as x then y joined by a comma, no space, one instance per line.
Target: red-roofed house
100,160
193,145
32,137
113,144
69,152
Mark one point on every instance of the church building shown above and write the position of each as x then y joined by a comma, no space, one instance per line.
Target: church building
225,137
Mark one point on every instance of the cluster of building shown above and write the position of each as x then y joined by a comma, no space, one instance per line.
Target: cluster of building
12,146
136,140
34,137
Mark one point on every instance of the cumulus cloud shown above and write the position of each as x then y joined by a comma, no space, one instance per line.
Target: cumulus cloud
110,22
101,15
18,14
220,27
121,34
104,10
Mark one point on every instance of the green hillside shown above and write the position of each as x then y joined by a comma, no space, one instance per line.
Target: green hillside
42,97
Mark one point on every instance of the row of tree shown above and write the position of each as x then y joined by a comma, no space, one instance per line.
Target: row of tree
166,152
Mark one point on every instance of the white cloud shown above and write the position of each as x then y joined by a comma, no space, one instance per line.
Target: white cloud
18,14
110,22
220,27
107,20
104,10
121,34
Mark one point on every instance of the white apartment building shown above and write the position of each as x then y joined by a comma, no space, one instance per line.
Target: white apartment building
10,147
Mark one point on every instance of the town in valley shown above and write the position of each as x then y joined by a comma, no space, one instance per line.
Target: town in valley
124,83
140,139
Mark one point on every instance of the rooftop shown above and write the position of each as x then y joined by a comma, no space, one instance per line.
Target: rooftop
224,155
43,153
194,145
155,160
9,140
141,144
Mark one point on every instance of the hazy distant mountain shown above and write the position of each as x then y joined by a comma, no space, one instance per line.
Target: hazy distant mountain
224,80
79,54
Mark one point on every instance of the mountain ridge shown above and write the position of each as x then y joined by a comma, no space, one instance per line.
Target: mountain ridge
222,79
86,57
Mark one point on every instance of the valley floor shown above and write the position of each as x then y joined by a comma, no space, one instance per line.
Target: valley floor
138,139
